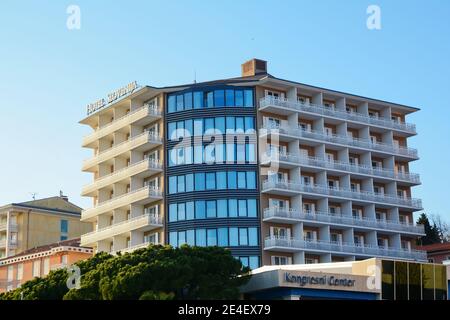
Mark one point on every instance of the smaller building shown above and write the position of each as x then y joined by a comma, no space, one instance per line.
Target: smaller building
437,252
371,279
39,222
38,262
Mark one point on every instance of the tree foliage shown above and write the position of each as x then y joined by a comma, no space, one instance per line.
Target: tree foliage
432,232
153,273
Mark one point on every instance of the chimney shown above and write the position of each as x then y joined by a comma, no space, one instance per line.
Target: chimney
253,67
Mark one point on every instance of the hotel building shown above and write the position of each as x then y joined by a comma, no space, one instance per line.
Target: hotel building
30,224
277,171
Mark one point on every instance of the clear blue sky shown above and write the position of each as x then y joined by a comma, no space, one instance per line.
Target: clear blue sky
48,73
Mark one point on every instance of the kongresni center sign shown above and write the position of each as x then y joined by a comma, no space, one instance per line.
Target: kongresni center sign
111,97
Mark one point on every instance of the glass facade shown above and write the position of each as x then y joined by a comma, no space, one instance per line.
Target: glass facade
217,98
413,281
225,139
204,181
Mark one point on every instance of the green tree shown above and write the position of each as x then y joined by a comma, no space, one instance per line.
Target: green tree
156,272
431,231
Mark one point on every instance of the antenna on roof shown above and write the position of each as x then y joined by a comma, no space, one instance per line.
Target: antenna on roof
195,76
33,195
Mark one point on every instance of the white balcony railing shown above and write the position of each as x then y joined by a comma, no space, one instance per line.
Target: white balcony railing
342,193
325,217
146,110
272,243
122,200
342,140
341,114
132,248
130,143
139,221
2,243
127,171
3,226
339,165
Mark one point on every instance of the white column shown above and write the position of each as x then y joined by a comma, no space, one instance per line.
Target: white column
325,258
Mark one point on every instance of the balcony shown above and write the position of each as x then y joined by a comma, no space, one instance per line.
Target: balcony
140,196
285,187
297,245
143,168
132,248
294,160
145,222
346,141
142,141
267,103
3,243
141,116
3,226
290,216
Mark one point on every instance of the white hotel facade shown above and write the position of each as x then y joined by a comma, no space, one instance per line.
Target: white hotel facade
334,182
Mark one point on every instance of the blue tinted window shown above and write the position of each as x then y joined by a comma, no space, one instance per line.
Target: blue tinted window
171,133
171,105
230,125
188,100
244,261
180,129
232,180
243,237
182,211
211,237
173,239
200,181
234,237
190,237
179,102
249,125
250,154
181,238
231,156
222,235
198,127
211,209
254,262
219,98
172,184
210,181
241,180
240,125
198,154
209,126
172,157
220,152
232,208
190,210
240,153
221,177
180,187
173,215
188,155
251,208
198,100
229,98
64,226
209,99
239,98
189,182
248,98
210,153
222,208
242,208
62,238
251,180
200,237
252,236
199,209
188,128
220,125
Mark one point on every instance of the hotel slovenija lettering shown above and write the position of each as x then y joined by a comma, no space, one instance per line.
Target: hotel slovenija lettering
111,97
